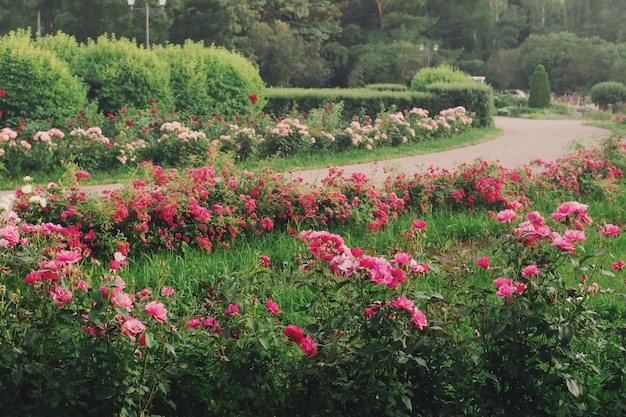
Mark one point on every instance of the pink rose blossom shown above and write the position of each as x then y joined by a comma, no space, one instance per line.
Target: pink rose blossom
146,292
618,265
156,310
419,224
294,334
65,256
308,346
483,262
232,309
272,307
506,216
419,318
122,300
194,323
609,230
168,291
132,327
505,290
264,260
60,295
402,303
530,270
402,258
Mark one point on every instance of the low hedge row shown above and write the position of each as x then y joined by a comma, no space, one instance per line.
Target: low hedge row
477,99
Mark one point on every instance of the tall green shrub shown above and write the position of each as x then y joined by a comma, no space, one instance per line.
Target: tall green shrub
442,73
213,80
121,74
36,83
609,92
539,89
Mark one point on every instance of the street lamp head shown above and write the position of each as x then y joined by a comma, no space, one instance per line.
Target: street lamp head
162,3
131,3
422,47
435,47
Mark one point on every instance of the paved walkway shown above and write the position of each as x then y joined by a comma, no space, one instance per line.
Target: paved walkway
522,141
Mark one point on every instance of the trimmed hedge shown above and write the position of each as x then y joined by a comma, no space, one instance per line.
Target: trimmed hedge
213,80
356,101
121,74
476,98
36,83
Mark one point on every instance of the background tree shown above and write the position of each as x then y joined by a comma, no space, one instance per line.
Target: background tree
539,89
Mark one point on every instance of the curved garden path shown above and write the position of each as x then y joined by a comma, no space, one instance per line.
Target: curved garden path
522,141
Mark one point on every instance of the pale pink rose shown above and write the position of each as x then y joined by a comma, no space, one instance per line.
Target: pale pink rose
11,234
146,292
156,310
60,295
168,291
132,327
506,216
609,230
122,300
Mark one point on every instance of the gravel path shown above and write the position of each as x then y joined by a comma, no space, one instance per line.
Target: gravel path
522,141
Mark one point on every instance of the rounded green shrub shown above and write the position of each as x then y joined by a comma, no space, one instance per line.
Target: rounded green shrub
64,46
609,92
35,83
539,89
213,80
119,74
442,73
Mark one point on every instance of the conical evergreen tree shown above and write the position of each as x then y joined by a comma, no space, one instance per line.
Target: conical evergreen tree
539,88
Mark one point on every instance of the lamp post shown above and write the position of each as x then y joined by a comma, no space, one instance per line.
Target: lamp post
147,12
424,48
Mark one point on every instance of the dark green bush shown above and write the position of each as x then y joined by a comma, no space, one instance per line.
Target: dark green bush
119,73
609,92
36,83
443,73
539,89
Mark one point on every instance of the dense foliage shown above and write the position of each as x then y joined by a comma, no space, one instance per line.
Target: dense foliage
321,43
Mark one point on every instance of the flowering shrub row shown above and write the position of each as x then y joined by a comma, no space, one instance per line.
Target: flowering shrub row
150,135
204,208
78,338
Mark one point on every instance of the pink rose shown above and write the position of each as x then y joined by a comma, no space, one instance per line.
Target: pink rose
132,327
232,309
308,346
272,307
156,310
483,262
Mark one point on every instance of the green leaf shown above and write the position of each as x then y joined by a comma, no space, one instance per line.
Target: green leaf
498,329
573,386
407,402
149,340
253,324
65,336
264,343
565,333
16,376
